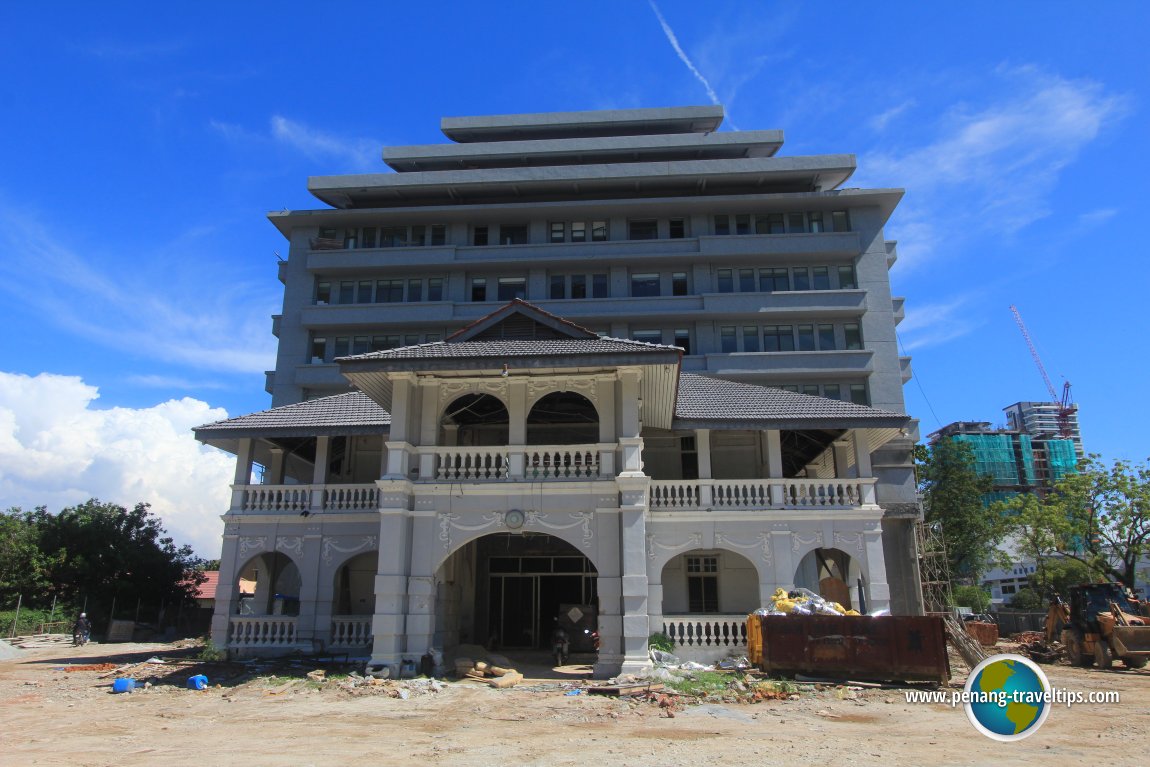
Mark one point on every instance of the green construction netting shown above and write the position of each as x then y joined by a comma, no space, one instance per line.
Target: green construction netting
994,454
1061,458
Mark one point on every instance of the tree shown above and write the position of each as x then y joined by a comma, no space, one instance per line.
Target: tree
22,563
952,495
974,597
106,552
1027,599
1099,517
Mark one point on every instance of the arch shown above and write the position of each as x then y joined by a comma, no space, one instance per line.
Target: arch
562,418
717,581
830,573
268,584
506,590
353,590
474,420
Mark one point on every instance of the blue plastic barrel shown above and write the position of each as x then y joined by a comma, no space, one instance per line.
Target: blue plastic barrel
198,682
123,685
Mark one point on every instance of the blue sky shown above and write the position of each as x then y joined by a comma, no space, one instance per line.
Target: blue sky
141,152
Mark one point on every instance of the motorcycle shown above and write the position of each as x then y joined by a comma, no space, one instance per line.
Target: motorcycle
560,647
80,637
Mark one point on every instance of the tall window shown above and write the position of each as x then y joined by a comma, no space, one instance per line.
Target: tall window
598,231
678,228
644,285
478,288
852,335
512,234
479,235
778,338
725,280
512,287
820,278
826,337
389,291
743,223
840,221
645,229
703,584
728,341
751,338
847,279
859,395
558,231
746,280
806,338
318,349
802,277
683,339
678,283
774,279
434,288
415,290
722,224
647,336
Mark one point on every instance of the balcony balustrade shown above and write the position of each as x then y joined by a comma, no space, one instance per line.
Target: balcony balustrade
723,632
682,494
252,631
350,631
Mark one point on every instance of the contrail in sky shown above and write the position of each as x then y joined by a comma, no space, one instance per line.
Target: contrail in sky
674,41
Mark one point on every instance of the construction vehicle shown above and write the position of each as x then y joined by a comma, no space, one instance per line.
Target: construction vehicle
1100,624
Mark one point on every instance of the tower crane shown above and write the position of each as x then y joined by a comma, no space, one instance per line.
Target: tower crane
1065,405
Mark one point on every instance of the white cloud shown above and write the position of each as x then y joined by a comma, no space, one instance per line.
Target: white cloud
683,57
358,153
56,450
1093,218
993,167
879,122
211,325
927,325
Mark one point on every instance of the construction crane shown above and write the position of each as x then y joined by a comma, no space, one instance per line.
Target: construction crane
1066,407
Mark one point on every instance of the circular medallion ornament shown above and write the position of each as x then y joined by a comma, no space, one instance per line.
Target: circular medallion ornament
514,519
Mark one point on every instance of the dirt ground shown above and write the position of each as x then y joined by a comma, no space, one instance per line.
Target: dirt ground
256,717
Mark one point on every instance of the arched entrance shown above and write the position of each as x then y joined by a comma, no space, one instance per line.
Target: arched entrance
354,588
562,418
832,574
269,584
507,591
707,595
474,420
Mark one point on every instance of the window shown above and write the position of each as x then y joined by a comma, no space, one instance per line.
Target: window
369,237
806,338
558,231
796,223
360,345
678,283
725,281
772,223
598,231
683,339
815,221
323,292
389,291
678,228
578,231
419,235
826,337
363,292
434,288
722,224
840,221
646,229
578,286
347,292
821,279
859,395
478,288
438,234
342,346
746,280
847,278
647,336
802,277
703,584
852,335
392,236
811,390
410,340
728,343
558,287
379,343
479,235
742,224
415,290
644,285
512,287
831,391
790,388
778,338
512,234
599,286
750,338
774,279
318,350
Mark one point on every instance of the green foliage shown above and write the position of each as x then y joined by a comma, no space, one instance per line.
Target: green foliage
701,683
974,597
95,551
1099,517
660,642
1027,599
952,495
210,653
34,620
1057,575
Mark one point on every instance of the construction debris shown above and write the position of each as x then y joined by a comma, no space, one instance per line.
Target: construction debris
481,671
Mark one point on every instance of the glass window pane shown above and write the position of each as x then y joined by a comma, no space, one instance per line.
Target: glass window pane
323,293
415,290
647,336
347,292
579,231
806,338
678,228
599,286
726,282
746,280
750,339
859,395
647,229
578,286
419,235
810,389
852,336
847,278
826,337
342,345
479,236
359,345
438,234
683,340
678,283
831,391
644,285
434,288
512,287
558,286
512,234
840,221
722,225
743,223
598,230
558,231
318,349
368,237
727,339
815,221
802,277
821,279
796,223
479,289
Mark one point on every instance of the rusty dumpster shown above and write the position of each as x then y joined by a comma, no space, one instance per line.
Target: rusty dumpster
890,648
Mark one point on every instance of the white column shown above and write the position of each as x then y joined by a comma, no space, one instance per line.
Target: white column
276,470
629,423
633,556
398,444
389,624
517,427
774,447
243,475
863,465
226,589
840,449
428,425
703,446
319,472
605,403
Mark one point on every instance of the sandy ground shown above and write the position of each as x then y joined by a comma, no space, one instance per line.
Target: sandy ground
49,716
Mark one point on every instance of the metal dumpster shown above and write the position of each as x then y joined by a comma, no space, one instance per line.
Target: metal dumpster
897,648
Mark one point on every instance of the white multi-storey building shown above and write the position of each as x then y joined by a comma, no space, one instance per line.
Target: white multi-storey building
613,367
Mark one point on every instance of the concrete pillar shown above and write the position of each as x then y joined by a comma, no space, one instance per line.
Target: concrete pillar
517,426
314,622
319,472
774,448
420,622
877,588
633,557
276,469
428,426
243,475
226,590
388,625
630,424
863,465
783,559
703,448
605,404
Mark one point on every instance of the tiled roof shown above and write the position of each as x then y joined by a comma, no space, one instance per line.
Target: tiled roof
513,348
353,409
207,589
715,400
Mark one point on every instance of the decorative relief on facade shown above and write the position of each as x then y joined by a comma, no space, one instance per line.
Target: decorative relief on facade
451,390
250,544
584,386
232,528
366,543
849,539
292,544
762,542
798,541
449,521
581,519
694,540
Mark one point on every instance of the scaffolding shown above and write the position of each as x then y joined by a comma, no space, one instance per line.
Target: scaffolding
933,567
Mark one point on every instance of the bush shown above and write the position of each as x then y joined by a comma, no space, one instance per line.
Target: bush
32,621
1027,599
211,653
974,597
660,642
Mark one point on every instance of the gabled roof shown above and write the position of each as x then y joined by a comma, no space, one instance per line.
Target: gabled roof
350,413
705,402
486,327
